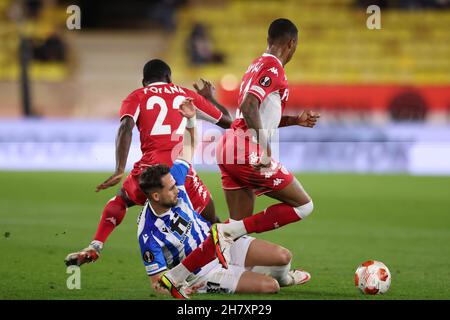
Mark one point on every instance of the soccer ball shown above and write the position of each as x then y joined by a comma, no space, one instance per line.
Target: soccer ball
373,277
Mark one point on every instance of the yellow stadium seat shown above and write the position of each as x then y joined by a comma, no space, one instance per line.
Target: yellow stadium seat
334,43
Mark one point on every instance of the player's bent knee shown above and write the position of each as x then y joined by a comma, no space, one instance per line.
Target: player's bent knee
269,285
304,210
284,256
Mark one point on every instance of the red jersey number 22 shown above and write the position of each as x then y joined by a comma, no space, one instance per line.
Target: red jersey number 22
159,128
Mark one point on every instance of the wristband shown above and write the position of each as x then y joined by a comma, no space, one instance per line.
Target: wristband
191,122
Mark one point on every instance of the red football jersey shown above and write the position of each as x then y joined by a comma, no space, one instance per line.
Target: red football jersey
154,109
266,80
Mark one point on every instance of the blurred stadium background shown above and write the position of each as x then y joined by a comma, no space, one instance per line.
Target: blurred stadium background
384,96
387,87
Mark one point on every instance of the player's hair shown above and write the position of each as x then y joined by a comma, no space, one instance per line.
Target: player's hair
150,178
156,70
281,29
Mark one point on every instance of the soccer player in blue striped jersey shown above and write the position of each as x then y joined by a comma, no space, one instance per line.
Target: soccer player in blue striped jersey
169,230
169,233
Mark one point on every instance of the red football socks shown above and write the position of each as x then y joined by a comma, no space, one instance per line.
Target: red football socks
112,216
273,217
201,256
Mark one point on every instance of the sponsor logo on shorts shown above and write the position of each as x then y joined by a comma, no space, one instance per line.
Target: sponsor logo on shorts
268,173
212,287
277,181
253,158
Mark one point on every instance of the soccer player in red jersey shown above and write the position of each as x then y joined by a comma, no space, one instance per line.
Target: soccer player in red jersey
244,153
244,156
154,109
168,217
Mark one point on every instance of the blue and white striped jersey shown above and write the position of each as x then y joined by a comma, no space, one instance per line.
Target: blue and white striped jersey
168,238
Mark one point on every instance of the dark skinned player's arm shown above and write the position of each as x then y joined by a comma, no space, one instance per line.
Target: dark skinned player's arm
226,119
250,112
307,119
123,142
207,92
287,121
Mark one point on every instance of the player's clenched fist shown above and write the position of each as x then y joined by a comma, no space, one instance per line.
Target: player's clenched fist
187,108
308,118
208,90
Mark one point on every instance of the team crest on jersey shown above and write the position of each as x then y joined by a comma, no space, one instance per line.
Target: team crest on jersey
265,81
148,256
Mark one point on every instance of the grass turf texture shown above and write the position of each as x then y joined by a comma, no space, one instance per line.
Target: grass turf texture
402,221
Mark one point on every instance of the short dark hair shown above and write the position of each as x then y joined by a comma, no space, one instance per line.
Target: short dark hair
150,178
282,29
156,70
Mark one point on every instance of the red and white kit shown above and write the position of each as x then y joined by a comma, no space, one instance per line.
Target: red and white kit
237,149
154,109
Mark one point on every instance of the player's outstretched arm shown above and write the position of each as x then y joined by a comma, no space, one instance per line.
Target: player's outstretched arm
188,110
307,118
208,92
123,143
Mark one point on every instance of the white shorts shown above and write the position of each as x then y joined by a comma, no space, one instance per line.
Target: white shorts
213,278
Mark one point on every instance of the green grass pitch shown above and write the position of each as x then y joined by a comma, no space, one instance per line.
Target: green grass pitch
402,221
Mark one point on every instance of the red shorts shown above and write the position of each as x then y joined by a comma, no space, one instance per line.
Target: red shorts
196,190
235,157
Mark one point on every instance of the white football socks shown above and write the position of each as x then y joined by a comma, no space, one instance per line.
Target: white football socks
279,273
234,229
97,245
178,274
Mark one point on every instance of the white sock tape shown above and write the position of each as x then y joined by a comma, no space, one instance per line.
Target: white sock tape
304,210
